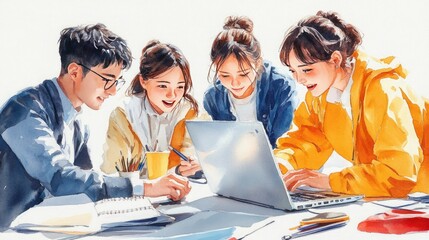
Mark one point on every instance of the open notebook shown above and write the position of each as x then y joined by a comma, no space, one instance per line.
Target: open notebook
77,214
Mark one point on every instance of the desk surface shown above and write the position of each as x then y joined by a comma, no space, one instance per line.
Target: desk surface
220,215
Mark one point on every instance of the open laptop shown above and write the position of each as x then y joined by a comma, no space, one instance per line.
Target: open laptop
238,162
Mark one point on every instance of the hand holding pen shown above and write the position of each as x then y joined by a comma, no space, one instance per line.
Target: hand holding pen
188,166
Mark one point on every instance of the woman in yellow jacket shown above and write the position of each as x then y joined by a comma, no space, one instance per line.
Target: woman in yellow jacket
155,110
356,105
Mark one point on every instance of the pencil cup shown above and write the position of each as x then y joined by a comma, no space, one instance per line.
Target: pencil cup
130,175
157,164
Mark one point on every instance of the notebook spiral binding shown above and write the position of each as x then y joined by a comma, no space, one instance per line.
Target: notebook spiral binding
123,211
122,205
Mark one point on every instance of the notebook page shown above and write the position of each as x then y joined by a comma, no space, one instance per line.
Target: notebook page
70,214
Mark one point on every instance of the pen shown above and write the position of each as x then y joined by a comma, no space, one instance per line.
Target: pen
142,163
178,153
315,230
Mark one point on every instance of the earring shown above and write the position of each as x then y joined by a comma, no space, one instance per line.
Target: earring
336,66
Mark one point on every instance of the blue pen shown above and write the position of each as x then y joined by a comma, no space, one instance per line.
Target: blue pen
141,164
178,153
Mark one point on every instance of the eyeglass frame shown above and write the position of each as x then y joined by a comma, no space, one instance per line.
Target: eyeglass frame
120,81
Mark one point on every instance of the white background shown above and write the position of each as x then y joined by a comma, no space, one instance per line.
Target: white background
29,31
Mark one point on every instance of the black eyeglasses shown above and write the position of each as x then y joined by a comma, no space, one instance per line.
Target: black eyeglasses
109,82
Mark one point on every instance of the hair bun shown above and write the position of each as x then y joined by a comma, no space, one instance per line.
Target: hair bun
150,44
333,17
353,35
235,22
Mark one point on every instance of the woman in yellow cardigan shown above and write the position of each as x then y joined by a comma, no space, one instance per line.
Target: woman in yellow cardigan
155,110
356,105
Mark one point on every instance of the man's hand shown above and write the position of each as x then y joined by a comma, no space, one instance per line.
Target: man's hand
173,186
295,178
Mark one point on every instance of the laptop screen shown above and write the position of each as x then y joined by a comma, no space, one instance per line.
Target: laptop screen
237,160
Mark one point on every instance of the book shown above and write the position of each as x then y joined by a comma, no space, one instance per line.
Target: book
77,214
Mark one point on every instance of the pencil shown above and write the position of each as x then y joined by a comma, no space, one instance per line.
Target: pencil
155,146
116,166
127,165
124,168
133,164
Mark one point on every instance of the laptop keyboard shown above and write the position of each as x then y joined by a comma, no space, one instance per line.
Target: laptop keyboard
308,196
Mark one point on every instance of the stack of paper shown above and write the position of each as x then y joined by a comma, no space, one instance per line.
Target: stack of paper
318,223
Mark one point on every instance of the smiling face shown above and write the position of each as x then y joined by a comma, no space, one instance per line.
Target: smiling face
237,78
316,77
166,90
89,89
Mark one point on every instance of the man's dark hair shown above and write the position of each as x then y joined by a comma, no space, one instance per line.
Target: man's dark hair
92,45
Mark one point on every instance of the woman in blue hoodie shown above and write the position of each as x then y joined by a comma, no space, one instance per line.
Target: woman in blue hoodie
246,87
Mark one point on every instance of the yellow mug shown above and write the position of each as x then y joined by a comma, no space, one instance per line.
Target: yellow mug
157,164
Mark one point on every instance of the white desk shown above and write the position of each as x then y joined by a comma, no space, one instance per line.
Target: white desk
201,199
357,211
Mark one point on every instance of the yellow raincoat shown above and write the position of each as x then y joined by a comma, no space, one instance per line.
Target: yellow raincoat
387,139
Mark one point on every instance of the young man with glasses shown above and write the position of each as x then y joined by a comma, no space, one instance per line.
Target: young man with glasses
43,143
